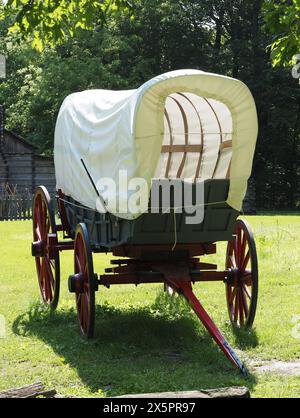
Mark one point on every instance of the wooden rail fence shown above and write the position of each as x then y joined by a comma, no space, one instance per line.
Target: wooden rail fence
15,207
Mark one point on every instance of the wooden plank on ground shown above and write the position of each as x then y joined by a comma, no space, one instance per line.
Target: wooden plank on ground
38,390
31,391
232,392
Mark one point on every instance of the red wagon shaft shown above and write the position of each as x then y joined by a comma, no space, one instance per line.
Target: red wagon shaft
185,288
179,278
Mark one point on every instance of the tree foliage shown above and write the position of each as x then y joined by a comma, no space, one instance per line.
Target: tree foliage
50,22
283,17
221,36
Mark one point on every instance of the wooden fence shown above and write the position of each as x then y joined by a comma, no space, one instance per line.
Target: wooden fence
15,207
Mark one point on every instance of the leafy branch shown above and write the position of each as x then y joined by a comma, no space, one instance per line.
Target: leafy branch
51,22
282,20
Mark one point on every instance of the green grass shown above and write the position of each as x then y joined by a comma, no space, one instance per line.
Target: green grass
144,342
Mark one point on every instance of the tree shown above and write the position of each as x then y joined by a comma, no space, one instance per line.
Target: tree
50,22
37,83
222,36
282,18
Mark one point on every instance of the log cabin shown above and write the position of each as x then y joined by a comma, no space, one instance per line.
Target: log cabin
21,166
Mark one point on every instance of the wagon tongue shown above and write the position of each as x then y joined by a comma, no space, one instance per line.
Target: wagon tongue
178,278
235,359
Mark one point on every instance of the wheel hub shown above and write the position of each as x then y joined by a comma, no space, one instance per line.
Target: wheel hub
234,277
76,283
38,248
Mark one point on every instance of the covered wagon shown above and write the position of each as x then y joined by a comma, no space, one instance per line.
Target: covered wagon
190,130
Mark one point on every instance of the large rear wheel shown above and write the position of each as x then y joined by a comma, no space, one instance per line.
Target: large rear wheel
242,280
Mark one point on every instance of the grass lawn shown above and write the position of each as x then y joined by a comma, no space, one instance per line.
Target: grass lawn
144,342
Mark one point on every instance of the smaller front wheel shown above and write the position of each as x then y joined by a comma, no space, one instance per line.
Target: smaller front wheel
83,283
242,279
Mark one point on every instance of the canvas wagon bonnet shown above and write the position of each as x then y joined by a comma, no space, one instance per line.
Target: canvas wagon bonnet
184,124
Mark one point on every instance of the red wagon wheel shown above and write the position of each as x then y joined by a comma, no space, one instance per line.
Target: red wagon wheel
84,283
48,268
242,280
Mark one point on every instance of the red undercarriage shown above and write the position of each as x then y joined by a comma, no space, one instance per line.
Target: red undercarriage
178,276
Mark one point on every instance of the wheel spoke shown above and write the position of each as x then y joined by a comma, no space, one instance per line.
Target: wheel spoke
81,311
38,213
52,263
78,300
36,225
241,308
235,252
42,276
246,290
87,311
41,215
236,309
78,256
84,312
47,288
81,255
243,248
44,219
238,245
84,261
50,273
247,274
233,295
47,228
245,263
232,262
245,305
78,264
48,278
37,234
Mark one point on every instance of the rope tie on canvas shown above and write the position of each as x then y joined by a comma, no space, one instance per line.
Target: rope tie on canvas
164,212
175,230
188,207
164,209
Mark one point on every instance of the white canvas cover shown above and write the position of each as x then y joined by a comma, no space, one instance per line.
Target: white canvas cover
209,120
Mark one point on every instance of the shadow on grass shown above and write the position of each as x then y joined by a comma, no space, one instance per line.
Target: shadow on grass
135,350
244,338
